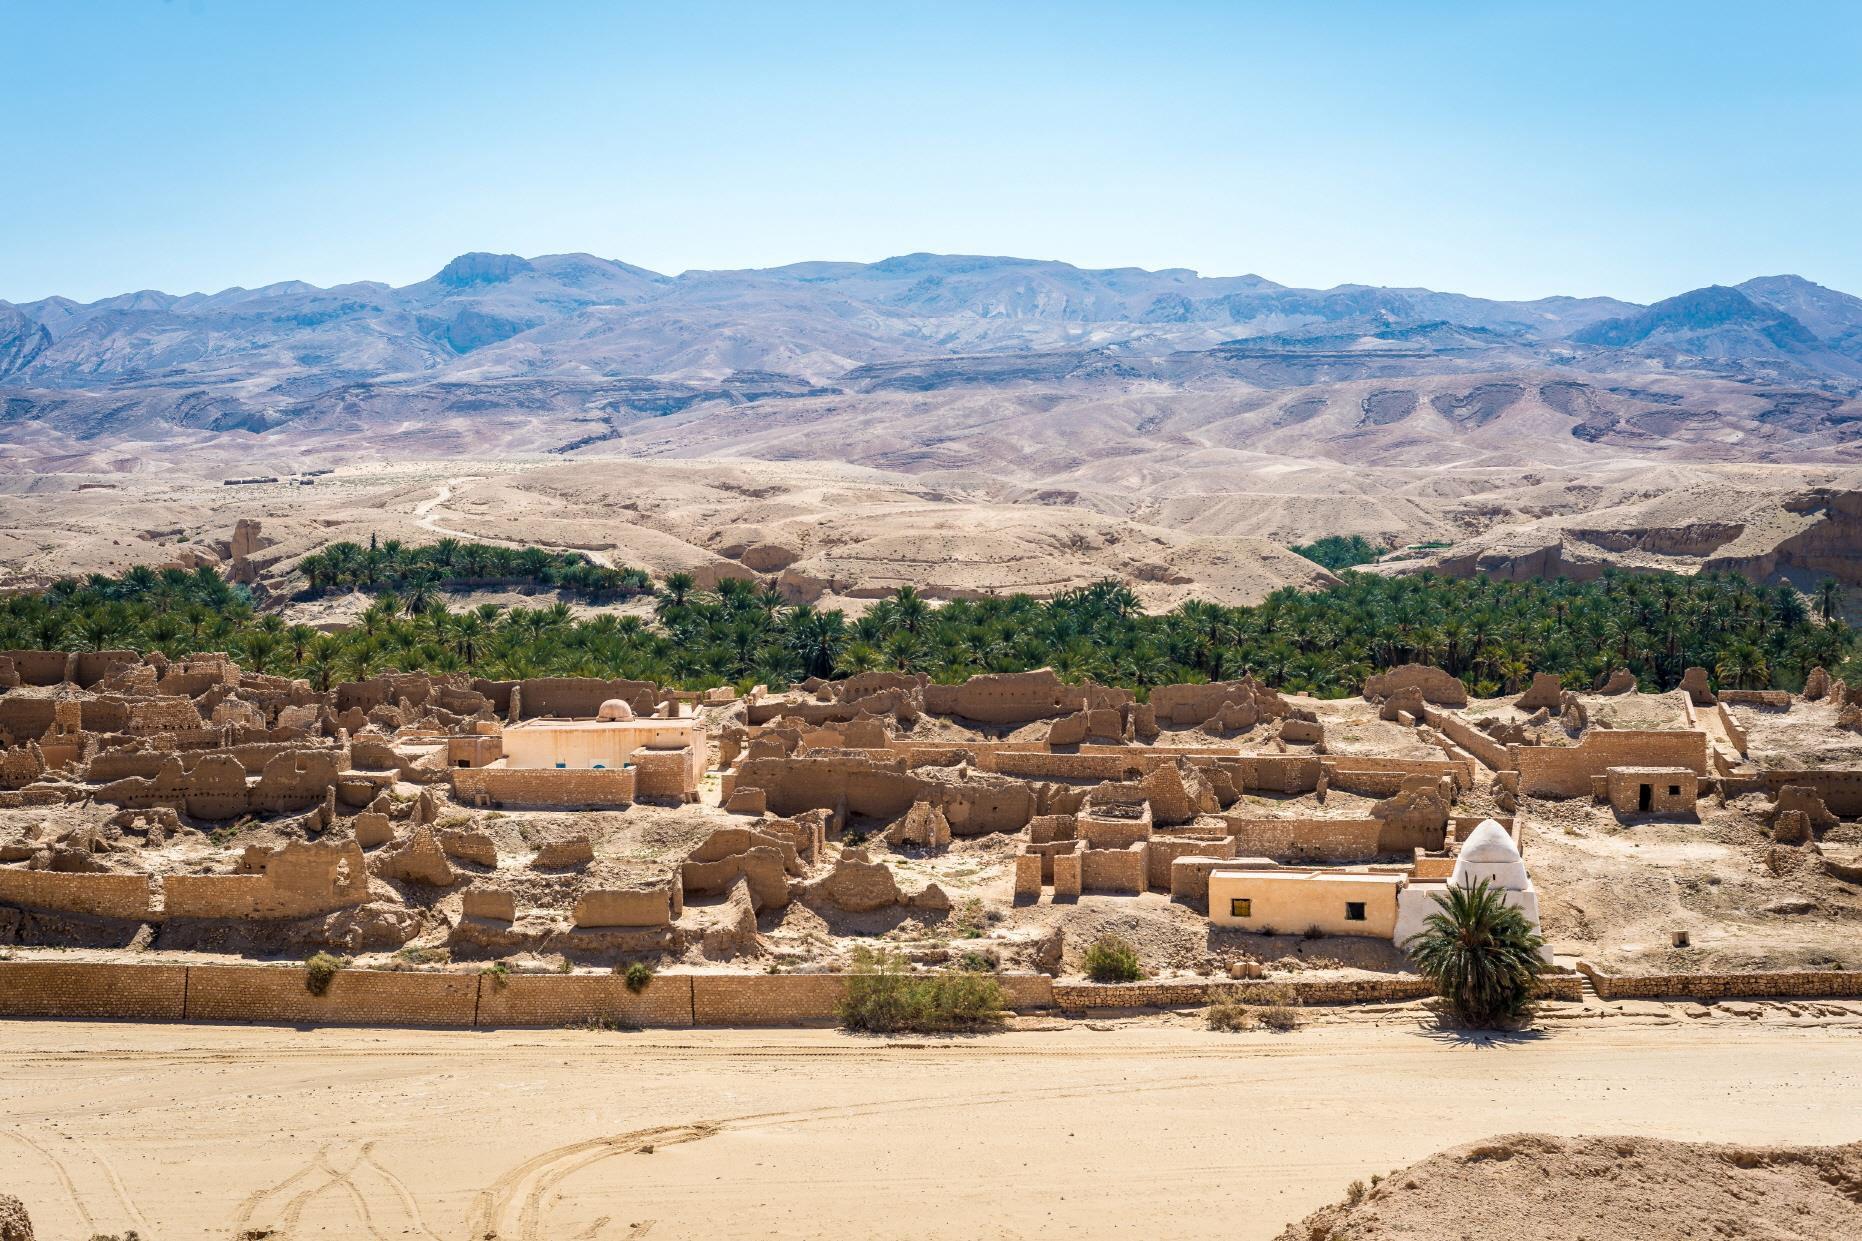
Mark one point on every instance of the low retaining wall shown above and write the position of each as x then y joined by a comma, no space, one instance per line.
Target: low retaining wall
277,995
1076,997
354,998
80,989
575,999
1081,996
1782,984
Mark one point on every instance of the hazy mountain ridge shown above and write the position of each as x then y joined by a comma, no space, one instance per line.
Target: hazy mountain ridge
571,350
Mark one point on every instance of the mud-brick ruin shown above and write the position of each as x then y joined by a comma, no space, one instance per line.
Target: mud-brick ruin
189,810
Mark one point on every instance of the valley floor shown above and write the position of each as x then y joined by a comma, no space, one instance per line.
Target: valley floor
1136,1128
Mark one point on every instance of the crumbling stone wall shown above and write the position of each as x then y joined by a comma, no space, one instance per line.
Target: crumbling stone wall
1566,771
300,880
624,907
567,697
1235,704
1021,697
91,895
1328,840
1437,686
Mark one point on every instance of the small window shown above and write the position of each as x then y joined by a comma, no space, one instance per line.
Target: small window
561,766
1674,790
1354,911
601,766
1241,907
465,762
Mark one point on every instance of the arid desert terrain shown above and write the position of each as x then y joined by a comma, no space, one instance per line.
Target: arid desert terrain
817,1134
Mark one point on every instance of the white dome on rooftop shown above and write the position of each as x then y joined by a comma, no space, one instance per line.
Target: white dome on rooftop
615,709
1489,842
1489,853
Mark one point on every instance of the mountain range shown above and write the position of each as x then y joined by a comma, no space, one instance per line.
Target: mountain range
571,349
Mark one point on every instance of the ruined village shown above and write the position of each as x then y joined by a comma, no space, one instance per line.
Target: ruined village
178,836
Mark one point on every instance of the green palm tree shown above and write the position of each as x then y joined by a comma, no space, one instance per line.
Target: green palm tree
1829,599
1480,953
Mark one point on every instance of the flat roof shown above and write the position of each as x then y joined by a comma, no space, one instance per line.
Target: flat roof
556,724
1312,876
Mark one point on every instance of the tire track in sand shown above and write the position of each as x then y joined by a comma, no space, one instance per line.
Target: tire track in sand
64,1178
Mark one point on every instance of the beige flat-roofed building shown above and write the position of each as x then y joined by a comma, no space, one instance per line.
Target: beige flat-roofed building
676,750
1291,902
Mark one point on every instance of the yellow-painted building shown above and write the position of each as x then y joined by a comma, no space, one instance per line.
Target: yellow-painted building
1290,902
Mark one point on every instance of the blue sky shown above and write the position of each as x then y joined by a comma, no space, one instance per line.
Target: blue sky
1504,149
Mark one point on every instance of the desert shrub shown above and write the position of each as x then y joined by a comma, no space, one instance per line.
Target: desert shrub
637,976
970,919
1274,1007
977,962
320,970
425,956
883,996
498,972
1481,954
1111,959
1354,1193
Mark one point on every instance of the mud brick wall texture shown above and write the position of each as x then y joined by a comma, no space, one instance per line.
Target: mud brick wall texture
355,997
78,990
81,990
577,999
1794,984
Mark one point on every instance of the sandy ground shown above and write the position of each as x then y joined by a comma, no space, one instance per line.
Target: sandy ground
1136,1129
1596,1188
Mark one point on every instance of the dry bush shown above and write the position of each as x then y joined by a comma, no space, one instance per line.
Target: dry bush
320,970
884,996
1273,1006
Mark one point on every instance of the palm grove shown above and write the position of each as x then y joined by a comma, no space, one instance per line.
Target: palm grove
1492,634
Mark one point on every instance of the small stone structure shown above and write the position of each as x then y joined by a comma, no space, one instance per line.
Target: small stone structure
1647,790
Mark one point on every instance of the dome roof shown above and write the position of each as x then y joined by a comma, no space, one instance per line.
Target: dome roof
615,709
1489,843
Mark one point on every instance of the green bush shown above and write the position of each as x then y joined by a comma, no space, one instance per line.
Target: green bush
1337,551
636,975
1481,954
884,996
320,969
1111,959
498,972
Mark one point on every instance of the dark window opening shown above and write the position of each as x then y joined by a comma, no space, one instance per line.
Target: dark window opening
1646,798
1674,790
465,762
1354,911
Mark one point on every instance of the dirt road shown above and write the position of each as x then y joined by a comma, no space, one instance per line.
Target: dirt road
423,516
223,1132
